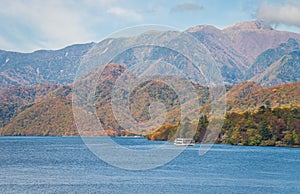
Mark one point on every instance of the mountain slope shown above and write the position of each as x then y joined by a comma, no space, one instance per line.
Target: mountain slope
254,37
52,116
231,63
57,66
250,95
16,99
268,57
285,70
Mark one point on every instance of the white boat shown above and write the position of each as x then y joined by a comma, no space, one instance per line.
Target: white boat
184,142
131,136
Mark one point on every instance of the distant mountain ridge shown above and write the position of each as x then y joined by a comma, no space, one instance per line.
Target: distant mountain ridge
56,66
239,50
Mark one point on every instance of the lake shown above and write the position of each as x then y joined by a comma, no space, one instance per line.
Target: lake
65,165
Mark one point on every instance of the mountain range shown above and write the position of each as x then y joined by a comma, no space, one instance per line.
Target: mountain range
244,51
255,61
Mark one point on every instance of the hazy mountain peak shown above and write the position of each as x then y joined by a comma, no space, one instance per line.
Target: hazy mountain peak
202,28
249,26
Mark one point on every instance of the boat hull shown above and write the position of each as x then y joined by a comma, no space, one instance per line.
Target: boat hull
184,142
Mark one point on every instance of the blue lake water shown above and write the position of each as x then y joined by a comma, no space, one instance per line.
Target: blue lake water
65,165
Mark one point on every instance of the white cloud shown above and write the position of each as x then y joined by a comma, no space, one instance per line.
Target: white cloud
287,13
128,14
53,23
35,24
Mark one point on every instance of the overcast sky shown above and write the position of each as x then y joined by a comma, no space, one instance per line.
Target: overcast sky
28,25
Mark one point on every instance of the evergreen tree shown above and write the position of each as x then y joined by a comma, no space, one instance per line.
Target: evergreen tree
201,128
264,130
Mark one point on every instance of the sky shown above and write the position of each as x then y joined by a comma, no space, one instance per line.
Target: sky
28,25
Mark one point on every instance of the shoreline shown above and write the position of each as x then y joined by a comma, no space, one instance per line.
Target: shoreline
141,137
